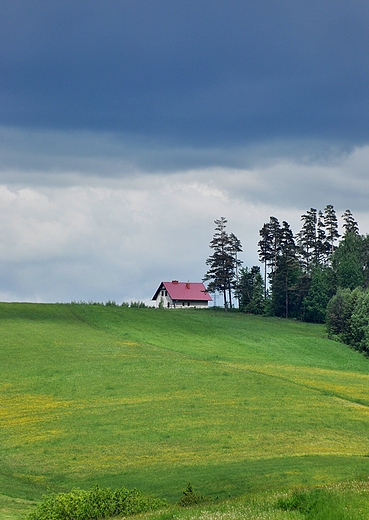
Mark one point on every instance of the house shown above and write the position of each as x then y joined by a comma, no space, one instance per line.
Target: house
181,295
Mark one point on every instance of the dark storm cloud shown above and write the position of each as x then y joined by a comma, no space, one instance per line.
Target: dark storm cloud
200,73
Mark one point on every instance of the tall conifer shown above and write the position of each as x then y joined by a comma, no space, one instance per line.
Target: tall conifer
331,229
223,263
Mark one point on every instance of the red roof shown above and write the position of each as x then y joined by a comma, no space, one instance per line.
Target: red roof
193,291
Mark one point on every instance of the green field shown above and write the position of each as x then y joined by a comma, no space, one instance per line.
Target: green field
236,404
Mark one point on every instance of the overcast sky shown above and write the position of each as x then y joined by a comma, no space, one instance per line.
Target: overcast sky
128,126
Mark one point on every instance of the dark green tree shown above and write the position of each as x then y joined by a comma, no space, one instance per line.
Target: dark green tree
265,250
365,260
250,290
276,242
235,247
312,251
223,263
307,241
348,318
320,292
331,229
349,223
269,248
338,314
348,261
359,325
321,241
286,276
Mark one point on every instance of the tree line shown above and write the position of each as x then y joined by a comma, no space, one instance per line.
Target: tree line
316,275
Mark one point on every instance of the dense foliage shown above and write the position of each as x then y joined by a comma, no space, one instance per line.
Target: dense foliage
348,318
94,505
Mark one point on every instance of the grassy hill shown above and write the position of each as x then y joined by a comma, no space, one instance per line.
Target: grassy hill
153,399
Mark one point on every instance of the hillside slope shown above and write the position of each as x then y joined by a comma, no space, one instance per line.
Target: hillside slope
154,398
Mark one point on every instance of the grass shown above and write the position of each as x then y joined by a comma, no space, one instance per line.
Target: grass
153,399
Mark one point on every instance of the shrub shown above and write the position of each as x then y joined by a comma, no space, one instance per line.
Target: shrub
94,505
348,318
138,305
190,498
339,310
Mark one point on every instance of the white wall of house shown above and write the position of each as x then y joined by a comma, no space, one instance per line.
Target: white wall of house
168,303
164,298
184,304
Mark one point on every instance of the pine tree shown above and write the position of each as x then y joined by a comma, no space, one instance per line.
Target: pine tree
235,248
331,228
249,290
286,275
223,263
338,314
307,240
349,223
265,251
276,237
365,260
321,240
347,261
320,292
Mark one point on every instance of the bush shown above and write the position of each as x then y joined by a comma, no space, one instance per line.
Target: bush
348,318
359,325
339,311
190,498
94,505
138,305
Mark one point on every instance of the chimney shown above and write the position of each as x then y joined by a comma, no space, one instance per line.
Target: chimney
188,285
174,281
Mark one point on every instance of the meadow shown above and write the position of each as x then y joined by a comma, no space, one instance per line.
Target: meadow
238,405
